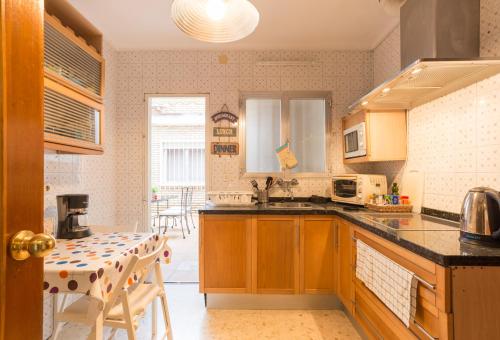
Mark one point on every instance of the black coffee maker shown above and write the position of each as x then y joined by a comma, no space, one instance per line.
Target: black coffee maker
71,210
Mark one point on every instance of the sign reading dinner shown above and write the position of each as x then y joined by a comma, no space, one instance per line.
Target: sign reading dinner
219,148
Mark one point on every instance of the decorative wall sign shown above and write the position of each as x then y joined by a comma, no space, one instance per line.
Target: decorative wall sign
224,114
221,148
225,132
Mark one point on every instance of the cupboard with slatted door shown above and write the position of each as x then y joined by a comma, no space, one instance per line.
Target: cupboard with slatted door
74,81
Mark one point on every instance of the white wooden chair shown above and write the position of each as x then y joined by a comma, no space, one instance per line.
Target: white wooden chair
60,301
126,305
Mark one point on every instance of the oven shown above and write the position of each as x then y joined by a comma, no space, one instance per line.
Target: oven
355,141
357,188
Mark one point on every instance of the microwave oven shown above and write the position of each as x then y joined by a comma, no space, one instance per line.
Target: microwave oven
357,188
355,141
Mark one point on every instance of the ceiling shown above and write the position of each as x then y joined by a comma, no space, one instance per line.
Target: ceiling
284,24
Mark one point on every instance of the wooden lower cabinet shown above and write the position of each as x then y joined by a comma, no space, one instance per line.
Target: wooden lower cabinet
276,254
345,287
265,254
433,303
225,254
303,254
318,255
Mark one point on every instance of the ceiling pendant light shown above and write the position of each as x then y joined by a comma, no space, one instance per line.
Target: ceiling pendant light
217,21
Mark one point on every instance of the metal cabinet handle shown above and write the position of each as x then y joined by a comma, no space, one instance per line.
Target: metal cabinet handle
423,330
425,283
337,233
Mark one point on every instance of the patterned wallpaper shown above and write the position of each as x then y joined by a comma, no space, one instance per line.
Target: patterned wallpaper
387,57
454,139
348,74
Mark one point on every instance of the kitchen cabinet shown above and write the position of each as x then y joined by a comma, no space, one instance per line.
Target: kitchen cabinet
433,309
276,254
267,254
345,287
225,254
73,81
318,255
384,135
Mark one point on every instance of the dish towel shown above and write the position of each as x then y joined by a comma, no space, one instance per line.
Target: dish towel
394,285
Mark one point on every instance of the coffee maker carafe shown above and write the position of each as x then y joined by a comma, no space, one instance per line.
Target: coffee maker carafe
71,210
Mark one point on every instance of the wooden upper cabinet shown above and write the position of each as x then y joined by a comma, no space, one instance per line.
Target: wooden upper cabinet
276,254
317,255
74,81
385,134
225,253
345,286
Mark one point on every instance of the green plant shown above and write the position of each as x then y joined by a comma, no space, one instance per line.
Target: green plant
395,188
155,189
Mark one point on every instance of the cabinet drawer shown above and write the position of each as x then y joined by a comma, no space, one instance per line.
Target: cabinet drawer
376,319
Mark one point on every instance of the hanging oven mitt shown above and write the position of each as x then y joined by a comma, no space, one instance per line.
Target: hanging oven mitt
286,157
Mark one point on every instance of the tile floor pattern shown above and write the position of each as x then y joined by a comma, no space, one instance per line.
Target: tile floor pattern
184,264
191,321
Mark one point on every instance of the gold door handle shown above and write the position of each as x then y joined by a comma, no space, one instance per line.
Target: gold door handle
25,244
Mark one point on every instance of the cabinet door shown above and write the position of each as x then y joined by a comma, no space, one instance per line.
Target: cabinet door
345,285
276,254
318,255
225,254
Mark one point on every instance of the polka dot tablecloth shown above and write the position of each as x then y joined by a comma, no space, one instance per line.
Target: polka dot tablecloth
93,265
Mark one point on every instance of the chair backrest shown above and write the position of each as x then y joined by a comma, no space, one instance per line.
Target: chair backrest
189,204
142,266
184,198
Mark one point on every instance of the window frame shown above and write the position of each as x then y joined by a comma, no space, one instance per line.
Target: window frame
285,97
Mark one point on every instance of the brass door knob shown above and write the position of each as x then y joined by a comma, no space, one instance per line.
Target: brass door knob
25,244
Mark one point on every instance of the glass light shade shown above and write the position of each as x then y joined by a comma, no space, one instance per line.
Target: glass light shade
217,21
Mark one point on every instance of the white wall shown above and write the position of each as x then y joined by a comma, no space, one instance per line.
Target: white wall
348,74
455,139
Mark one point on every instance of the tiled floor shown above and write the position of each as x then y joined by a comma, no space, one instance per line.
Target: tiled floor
184,265
190,320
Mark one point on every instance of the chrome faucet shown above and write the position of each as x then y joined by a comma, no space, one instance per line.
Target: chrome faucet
287,186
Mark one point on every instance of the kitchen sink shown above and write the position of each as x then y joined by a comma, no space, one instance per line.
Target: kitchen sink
290,205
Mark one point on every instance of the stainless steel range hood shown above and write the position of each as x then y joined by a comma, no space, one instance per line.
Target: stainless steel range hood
439,29
439,55
426,80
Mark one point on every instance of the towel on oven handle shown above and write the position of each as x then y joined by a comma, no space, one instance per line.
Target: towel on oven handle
394,285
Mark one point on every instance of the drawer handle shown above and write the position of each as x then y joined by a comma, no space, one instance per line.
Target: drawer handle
425,283
423,330
422,281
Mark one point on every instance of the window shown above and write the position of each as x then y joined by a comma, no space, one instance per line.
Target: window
269,120
183,164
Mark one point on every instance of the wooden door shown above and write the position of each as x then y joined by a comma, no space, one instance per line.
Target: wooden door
345,287
21,205
225,254
276,254
318,267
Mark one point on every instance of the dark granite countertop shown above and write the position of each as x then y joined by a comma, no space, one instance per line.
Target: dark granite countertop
438,241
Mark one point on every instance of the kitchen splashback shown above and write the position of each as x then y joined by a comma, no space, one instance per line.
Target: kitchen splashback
454,139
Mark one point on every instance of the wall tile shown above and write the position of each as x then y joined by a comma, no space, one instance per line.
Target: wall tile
454,139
